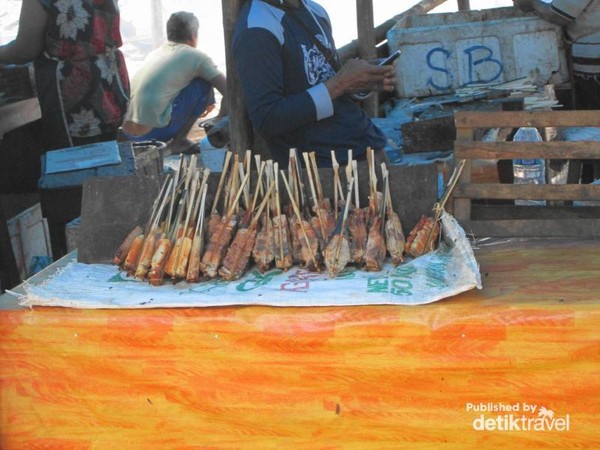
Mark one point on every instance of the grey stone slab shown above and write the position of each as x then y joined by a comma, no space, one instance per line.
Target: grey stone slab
110,208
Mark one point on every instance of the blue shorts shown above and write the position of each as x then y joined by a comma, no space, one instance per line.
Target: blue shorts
189,103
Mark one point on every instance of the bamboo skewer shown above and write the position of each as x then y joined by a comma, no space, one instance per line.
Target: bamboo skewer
344,218
278,207
299,217
355,176
315,169
221,182
316,205
439,206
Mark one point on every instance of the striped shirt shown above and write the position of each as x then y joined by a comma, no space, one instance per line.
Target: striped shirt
586,54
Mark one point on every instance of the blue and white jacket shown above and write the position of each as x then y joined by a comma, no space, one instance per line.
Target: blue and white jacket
282,74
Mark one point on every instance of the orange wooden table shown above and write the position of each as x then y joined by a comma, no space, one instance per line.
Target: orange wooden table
442,375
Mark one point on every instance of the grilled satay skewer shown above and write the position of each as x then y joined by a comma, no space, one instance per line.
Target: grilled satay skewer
324,204
357,223
283,254
178,232
238,254
193,273
184,245
137,247
376,250
336,179
164,248
215,217
133,254
263,252
153,234
294,221
337,254
317,221
123,250
394,235
175,187
219,241
309,243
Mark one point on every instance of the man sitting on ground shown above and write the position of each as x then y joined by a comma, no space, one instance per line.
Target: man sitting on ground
173,88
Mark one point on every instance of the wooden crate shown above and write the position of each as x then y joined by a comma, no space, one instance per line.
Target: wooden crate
504,220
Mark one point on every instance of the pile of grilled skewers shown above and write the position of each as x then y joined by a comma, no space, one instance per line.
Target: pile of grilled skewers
250,225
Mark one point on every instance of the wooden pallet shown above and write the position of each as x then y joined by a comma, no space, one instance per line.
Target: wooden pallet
505,220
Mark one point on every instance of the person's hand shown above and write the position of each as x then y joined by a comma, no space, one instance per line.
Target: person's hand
523,5
358,75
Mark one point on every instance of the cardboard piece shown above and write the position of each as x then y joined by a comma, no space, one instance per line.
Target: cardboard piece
30,240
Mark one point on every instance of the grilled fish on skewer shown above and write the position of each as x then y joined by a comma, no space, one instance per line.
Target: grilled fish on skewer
376,250
337,253
303,235
238,255
394,235
219,241
263,252
426,230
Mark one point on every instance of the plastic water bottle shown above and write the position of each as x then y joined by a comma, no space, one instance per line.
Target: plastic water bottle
529,171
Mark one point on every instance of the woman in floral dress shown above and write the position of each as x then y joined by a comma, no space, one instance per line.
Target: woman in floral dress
81,77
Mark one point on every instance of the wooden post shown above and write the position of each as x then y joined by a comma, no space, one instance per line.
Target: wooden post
366,45
424,6
157,24
240,130
464,5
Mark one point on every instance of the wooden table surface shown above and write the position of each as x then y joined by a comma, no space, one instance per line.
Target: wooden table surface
383,377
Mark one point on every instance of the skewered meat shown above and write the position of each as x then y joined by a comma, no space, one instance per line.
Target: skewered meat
123,249
236,261
324,224
337,254
193,273
148,249
238,255
376,250
422,238
281,243
357,225
133,255
217,246
305,245
183,258
394,238
263,252
159,259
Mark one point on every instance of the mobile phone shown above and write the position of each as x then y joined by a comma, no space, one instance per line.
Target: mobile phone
390,59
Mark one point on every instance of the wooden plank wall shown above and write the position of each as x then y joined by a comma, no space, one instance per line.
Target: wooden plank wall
517,220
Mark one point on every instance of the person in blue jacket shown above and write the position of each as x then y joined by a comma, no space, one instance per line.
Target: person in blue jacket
296,93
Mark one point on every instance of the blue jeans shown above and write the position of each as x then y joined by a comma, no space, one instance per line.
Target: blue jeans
189,103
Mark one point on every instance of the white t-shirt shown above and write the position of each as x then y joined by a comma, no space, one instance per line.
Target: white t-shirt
583,15
165,72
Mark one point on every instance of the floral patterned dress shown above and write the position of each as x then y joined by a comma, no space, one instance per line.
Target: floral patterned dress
82,80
